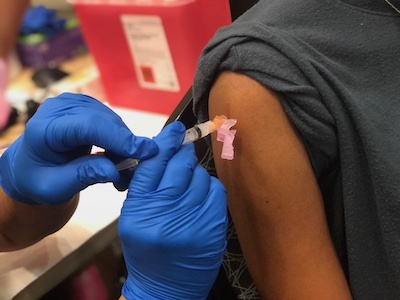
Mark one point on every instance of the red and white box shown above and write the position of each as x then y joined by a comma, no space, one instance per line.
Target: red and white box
147,50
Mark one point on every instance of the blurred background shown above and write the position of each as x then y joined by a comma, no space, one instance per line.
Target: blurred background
59,5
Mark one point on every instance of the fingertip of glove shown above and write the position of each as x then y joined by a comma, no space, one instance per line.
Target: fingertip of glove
97,170
172,130
175,127
178,127
144,148
151,146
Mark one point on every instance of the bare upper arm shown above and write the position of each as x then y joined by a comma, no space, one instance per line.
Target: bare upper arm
273,196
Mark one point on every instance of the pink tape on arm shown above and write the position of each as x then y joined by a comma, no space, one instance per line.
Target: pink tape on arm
226,135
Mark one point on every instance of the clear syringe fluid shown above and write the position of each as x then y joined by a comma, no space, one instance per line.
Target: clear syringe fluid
193,134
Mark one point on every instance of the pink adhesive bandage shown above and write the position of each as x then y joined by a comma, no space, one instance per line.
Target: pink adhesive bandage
226,135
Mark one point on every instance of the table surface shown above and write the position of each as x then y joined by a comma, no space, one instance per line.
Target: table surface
31,272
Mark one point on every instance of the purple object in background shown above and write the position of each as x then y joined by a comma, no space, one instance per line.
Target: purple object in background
53,51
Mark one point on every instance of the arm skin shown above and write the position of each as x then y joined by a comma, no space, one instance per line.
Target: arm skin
22,225
273,197
11,14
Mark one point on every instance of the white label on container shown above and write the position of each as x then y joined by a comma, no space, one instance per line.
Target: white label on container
150,52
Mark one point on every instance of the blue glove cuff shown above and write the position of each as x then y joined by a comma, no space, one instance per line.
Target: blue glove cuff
132,291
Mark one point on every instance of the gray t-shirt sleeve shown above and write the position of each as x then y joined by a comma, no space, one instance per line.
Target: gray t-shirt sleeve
271,58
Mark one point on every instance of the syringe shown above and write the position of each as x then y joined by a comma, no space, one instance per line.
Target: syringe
193,134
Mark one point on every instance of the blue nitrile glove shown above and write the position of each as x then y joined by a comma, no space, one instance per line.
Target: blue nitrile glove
50,162
173,224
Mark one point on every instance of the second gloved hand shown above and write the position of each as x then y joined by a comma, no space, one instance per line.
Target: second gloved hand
50,162
172,224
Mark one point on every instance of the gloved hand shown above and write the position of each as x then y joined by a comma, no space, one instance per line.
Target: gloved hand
172,224
50,162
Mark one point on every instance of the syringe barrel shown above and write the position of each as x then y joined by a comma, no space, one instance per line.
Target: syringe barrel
198,131
192,134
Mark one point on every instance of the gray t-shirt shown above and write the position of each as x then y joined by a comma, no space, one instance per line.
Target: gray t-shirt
336,68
